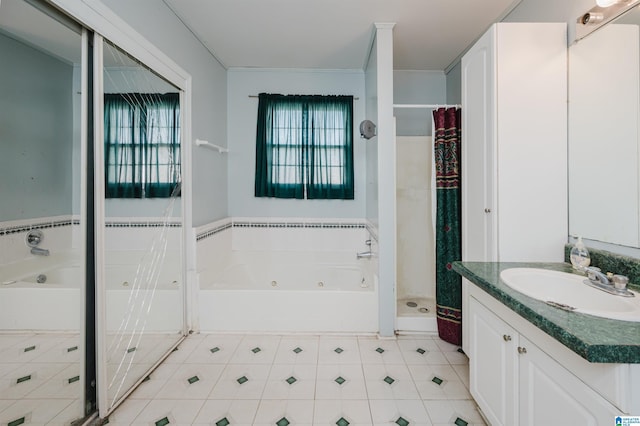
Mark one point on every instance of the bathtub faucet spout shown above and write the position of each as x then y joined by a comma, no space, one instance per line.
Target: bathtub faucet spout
365,255
39,251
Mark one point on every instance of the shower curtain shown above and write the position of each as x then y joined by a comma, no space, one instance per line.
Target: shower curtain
448,236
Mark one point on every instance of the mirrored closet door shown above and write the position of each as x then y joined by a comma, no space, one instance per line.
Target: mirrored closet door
142,256
42,256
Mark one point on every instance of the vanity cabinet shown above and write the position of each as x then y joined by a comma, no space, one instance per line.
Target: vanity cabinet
514,144
517,378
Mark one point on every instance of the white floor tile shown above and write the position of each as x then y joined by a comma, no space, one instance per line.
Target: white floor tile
214,349
393,412
340,382
291,382
127,411
375,351
177,411
389,382
256,349
191,381
438,382
297,412
38,411
338,350
297,350
237,412
421,351
447,411
329,412
241,381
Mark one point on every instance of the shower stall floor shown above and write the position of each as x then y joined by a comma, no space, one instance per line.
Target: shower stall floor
416,315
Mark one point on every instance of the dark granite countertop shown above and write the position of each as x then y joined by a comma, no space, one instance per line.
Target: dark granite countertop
595,339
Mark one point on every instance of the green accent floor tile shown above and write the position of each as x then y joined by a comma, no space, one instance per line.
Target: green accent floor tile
389,380
282,422
74,379
72,348
213,351
193,379
380,350
338,350
223,422
342,422
421,351
460,422
402,422
146,379
297,350
131,350
340,380
242,380
163,422
291,380
16,422
437,380
30,348
256,350
23,379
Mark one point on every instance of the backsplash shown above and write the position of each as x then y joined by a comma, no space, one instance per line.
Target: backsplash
612,262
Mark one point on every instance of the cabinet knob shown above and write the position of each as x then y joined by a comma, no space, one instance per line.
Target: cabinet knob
506,337
522,350
487,210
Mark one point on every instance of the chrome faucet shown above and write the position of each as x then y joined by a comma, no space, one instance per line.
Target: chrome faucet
33,239
39,251
617,284
596,276
366,254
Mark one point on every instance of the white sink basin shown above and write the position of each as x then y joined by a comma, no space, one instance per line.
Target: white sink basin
568,291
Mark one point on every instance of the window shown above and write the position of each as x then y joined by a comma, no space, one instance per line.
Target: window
142,145
304,147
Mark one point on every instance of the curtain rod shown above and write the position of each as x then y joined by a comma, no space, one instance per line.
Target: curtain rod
427,106
256,96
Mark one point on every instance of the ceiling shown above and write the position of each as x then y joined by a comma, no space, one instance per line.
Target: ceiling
336,34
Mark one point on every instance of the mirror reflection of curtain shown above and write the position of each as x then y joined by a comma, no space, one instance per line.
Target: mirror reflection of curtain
448,236
142,144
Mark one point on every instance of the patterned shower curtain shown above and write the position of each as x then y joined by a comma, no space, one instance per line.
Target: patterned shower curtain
448,235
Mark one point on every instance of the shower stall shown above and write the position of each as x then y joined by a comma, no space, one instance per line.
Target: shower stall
416,214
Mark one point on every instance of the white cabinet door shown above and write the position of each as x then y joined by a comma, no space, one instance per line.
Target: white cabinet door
551,395
493,365
478,151
514,160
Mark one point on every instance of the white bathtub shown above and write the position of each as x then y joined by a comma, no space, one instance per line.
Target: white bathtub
285,291
57,303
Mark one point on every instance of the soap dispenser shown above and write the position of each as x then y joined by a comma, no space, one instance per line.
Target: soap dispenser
579,255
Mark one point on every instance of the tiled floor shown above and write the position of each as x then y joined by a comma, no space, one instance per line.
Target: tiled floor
222,379
39,379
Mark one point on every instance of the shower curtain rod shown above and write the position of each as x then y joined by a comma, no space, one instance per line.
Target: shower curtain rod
427,106
355,98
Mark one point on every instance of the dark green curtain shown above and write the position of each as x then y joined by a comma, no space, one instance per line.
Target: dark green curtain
304,145
448,233
142,145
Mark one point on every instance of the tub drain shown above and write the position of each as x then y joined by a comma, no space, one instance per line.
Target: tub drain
42,278
424,310
412,304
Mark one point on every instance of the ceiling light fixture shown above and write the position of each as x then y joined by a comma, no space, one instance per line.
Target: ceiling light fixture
606,3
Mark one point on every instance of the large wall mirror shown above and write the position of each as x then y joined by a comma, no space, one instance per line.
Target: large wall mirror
604,109
41,232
